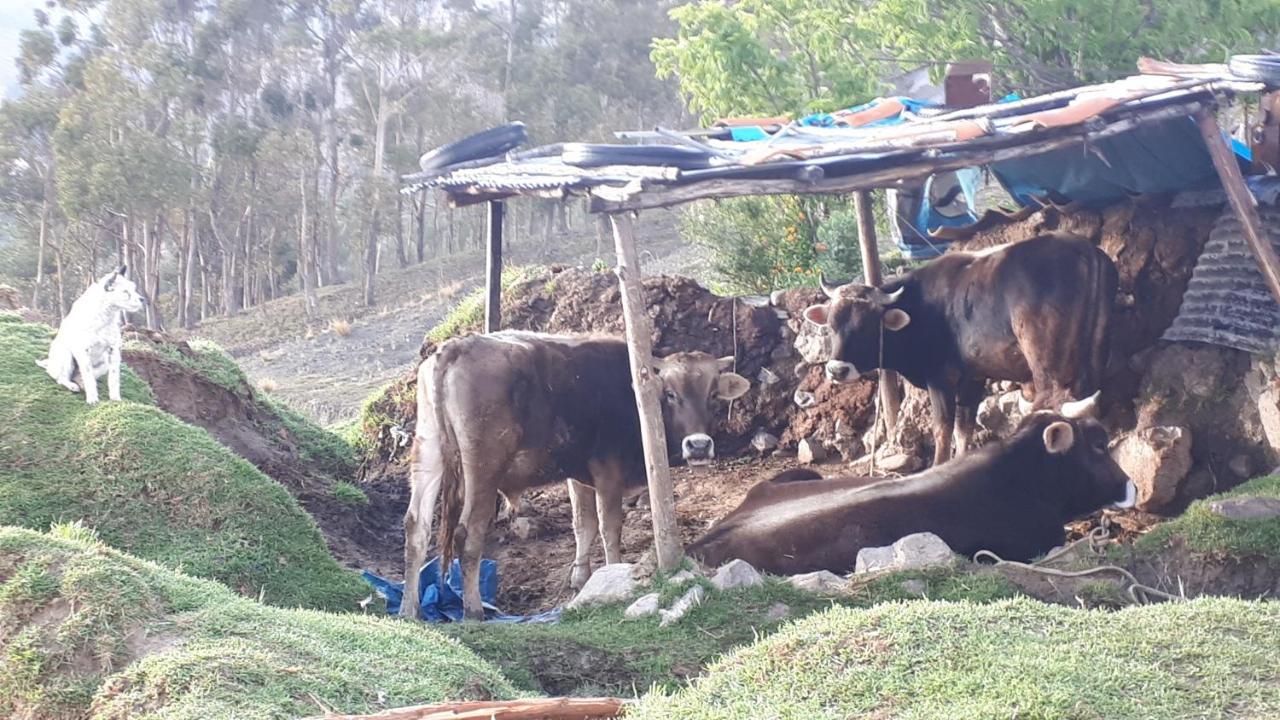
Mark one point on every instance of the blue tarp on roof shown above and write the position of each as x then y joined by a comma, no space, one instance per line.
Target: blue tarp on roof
438,607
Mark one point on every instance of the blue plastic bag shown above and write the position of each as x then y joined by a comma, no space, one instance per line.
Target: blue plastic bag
439,607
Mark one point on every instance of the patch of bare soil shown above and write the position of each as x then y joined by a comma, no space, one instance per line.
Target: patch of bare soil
362,536
534,570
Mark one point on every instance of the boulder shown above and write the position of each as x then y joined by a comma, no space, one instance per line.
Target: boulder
736,574
913,552
913,586
810,450
609,584
813,343
682,606
1157,459
822,581
1269,413
1246,508
644,606
682,577
804,398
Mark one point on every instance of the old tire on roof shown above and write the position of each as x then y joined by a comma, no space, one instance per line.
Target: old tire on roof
486,143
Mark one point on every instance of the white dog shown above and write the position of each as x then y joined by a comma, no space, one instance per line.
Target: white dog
89,337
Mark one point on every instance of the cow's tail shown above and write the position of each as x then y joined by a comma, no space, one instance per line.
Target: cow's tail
429,474
1105,284
451,486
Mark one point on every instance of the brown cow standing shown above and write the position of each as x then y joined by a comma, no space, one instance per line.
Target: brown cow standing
509,411
1036,311
1011,497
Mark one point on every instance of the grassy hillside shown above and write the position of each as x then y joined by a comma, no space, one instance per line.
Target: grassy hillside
1015,658
87,631
1202,530
152,485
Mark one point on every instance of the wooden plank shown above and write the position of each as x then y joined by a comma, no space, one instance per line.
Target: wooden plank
890,385
662,501
1242,201
614,199
561,708
493,269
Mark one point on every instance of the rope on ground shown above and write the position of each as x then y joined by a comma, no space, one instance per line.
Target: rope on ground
1140,594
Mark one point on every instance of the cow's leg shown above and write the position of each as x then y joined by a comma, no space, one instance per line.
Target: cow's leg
478,511
425,475
968,397
607,478
585,529
942,404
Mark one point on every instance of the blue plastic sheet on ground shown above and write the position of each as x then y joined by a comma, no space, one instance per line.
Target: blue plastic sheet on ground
441,607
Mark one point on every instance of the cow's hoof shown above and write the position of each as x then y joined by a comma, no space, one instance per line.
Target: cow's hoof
578,577
91,401
70,386
470,616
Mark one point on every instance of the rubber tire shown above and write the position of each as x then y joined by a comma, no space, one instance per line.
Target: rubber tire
1262,68
589,155
487,143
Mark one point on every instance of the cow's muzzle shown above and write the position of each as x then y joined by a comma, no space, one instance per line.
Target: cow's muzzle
698,449
840,371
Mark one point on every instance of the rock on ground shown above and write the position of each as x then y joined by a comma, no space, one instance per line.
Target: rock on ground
736,574
682,606
913,552
822,581
645,605
778,612
1247,508
1157,459
609,584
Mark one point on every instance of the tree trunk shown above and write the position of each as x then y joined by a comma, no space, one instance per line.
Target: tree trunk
62,298
329,271
421,240
306,260
402,256
44,215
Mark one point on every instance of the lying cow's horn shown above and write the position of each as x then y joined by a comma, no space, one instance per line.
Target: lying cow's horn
1087,407
894,296
831,289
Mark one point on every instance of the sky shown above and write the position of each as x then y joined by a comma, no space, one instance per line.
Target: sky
15,16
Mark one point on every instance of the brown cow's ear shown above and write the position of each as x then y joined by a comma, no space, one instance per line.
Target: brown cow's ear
895,319
817,314
1059,437
731,385
725,363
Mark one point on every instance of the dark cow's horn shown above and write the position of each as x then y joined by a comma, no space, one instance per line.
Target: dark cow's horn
827,287
893,297
1087,407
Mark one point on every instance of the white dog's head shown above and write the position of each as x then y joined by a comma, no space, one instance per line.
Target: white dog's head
119,292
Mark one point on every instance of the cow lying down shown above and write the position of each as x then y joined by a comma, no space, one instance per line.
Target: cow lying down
501,413
1011,497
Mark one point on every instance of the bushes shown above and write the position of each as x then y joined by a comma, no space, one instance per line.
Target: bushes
759,244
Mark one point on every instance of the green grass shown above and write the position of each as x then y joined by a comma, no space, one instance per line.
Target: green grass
152,485
1202,530
1210,658
87,631
594,650
350,494
468,314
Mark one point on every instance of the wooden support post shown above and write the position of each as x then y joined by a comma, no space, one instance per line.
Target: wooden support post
890,386
662,500
1242,201
493,270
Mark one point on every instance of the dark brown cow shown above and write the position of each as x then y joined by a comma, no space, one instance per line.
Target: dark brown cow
1035,311
1011,497
509,411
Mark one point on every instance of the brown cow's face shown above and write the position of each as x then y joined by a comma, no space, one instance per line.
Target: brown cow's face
690,382
855,316
1094,478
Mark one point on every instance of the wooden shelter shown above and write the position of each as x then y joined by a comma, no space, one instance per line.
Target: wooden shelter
858,154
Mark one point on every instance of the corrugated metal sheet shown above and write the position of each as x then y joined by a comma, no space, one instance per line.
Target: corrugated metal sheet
1227,302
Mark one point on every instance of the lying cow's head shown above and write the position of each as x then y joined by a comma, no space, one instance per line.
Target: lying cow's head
1082,475
856,315
690,380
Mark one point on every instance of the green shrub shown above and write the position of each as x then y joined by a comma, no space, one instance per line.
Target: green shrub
759,244
345,492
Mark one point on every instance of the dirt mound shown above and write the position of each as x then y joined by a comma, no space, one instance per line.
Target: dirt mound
360,535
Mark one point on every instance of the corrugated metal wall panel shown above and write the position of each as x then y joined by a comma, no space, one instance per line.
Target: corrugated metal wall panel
1227,302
